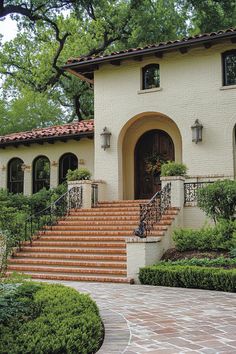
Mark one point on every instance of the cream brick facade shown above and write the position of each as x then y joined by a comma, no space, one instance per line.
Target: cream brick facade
191,88
83,149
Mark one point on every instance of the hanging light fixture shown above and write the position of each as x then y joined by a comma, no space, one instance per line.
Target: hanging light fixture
106,136
197,131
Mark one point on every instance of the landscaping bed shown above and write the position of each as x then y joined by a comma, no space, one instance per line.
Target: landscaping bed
48,318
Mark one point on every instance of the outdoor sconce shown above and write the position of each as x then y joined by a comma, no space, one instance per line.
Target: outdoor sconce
106,136
197,131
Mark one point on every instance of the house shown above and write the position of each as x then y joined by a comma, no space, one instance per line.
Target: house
170,101
148,98
41,158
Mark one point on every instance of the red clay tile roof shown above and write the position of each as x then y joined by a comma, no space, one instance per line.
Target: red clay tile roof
193,40
50,133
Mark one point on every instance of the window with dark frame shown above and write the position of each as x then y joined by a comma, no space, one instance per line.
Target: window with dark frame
229,67
151,76
41,173
15,176
67,162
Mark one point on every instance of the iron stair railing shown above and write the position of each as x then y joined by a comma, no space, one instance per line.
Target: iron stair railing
49,216
152,212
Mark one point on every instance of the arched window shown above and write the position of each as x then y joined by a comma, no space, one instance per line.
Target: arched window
229,67
67,162
15,176
151,76
41,173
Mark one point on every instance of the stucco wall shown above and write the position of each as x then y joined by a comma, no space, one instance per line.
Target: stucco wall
83,149
191,88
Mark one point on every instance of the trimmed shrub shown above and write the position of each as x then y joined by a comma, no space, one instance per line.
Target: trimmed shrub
78,175
173,169
221,237
189,277
203,262
49,319
218,200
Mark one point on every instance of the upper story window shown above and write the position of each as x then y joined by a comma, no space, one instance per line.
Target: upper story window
229,68
151,76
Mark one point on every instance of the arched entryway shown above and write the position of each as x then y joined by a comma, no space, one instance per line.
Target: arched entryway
67,162
15,176
170,145
153,148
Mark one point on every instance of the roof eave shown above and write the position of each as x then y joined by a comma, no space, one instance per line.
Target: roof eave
47,139
195,42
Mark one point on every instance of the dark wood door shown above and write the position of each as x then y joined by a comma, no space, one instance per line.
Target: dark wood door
152,144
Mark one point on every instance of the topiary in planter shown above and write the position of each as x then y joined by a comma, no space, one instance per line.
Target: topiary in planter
80,174
173,169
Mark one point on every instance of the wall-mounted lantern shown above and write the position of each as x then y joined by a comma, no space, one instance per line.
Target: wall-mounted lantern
197,131
106,136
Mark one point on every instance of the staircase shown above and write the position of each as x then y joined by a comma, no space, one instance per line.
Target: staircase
87,245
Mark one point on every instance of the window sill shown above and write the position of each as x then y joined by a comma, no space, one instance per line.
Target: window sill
229,87
155,89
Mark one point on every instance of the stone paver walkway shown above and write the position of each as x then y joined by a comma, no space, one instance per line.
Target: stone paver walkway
146,319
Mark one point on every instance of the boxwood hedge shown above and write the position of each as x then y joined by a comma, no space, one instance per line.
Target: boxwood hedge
48,319
189,277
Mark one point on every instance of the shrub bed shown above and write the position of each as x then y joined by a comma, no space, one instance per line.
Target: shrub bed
189,277
43,318
221,237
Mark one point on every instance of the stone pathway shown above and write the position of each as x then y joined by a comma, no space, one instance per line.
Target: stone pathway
145,319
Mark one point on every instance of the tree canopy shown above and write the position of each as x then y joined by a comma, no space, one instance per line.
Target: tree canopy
36,91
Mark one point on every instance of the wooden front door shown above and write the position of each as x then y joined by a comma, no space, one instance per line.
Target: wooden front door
152,144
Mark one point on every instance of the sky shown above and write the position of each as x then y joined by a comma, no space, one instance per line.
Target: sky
8,29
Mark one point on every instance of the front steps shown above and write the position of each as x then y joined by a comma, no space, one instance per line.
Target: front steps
87,245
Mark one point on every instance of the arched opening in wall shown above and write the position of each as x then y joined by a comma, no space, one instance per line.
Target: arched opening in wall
153,148
67,162
145,135
41,173
15,176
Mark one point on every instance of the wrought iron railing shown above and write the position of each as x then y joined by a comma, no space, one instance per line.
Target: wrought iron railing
94,195
49,216
191,191
152,212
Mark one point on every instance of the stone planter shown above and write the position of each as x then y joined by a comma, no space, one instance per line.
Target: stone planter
87,190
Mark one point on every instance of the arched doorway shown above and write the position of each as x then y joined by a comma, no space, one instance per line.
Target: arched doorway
67,162
41,173
152,149
15,176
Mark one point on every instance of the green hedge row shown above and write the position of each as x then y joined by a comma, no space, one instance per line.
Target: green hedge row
189,277
48,319
203,262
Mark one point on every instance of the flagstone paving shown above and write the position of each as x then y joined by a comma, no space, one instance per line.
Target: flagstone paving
145,319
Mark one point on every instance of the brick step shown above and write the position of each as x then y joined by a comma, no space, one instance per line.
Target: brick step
101,227
65,270
90,227
125,201
93,233
101,218
90,251
81,244
118,205
81,238
68,256
101,211
95,223
97,278
66,263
